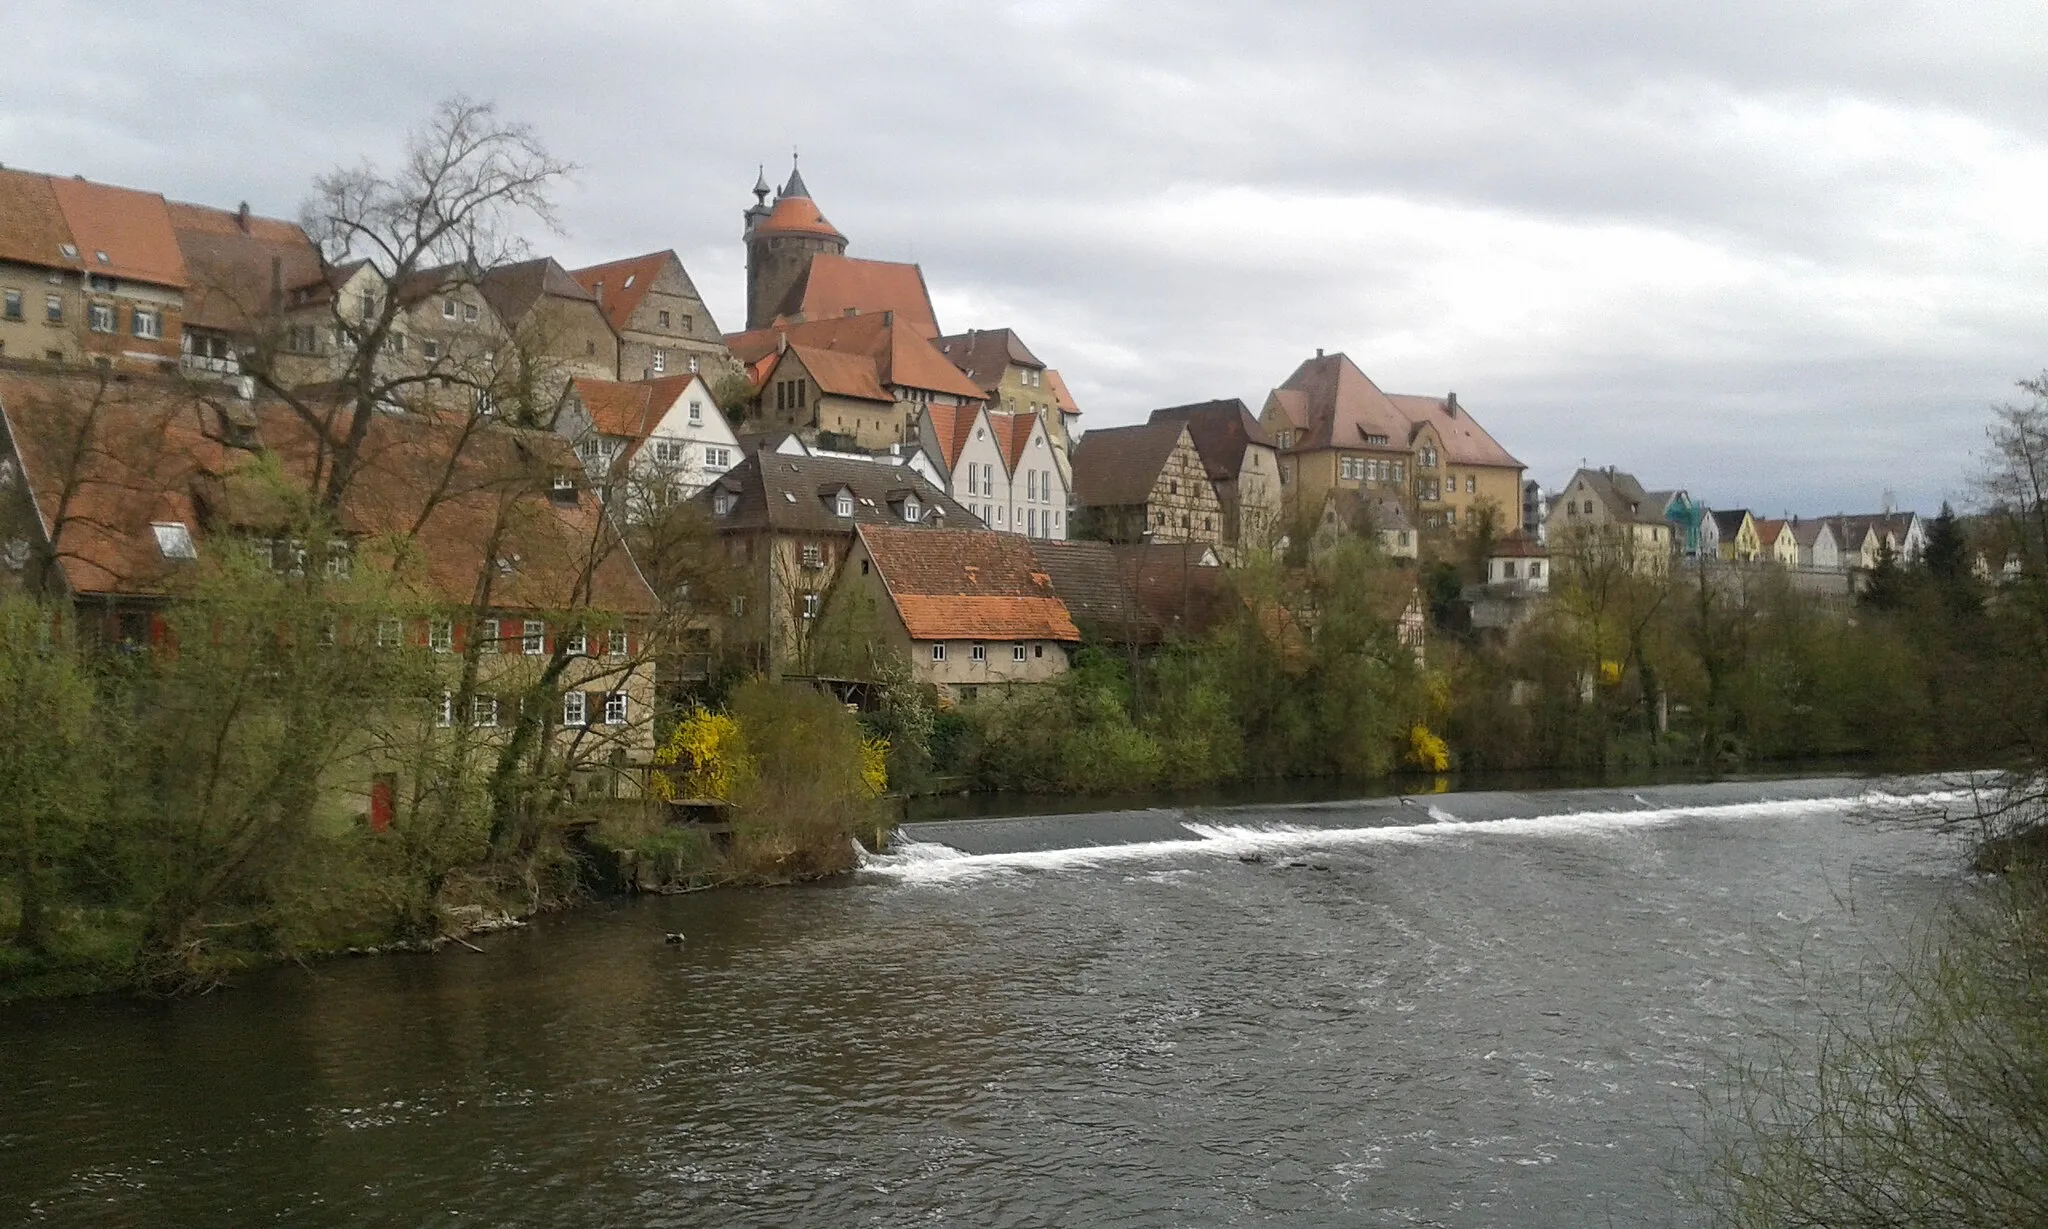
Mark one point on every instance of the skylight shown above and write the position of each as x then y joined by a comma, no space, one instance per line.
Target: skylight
69,250
174,541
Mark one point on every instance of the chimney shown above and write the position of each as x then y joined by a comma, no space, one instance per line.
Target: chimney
888,318
1319,352
598,290
1451,404
242,217
782,343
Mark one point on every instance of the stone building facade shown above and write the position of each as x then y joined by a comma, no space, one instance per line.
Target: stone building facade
663,325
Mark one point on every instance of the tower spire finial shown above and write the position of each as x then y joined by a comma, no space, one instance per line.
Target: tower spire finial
795,186
761,188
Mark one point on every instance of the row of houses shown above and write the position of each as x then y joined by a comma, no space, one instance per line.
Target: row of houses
1667,525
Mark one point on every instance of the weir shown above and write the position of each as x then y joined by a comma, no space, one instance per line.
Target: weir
949,849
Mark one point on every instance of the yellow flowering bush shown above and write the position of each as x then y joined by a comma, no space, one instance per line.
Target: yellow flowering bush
1427,751
704,757
874,765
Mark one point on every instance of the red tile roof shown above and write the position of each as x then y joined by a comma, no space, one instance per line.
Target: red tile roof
796,215
1465,441
1767,531
951,425
1338,406
133,229
842,375
32,227
622,285
615,408
1013,434
1060,395
901,356
156,454
833,285
967,584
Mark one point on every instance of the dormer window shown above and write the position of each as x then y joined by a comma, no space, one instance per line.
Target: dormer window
722,503
912,510
174,540
843,505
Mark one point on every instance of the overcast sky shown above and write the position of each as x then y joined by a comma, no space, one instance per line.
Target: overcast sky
1785,255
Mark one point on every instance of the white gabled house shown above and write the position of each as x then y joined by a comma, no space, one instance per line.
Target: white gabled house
668,434
962,442
1038,482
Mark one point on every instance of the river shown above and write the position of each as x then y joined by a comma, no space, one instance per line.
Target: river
1459,1010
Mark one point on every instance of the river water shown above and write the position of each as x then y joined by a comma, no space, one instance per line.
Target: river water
1466,1009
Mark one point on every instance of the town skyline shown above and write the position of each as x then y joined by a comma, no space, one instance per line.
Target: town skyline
1831,332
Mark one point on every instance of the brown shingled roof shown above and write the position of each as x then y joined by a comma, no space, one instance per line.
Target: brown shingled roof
1339,407
228,258
157,455
1221,430
1118,466
832,285
1136,593
967,584
779,492
512,290
983,355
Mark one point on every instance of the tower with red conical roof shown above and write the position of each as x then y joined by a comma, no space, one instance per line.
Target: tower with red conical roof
781,240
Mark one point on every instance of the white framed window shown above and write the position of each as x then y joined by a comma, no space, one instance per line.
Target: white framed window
938,652
448,309
390,633
99,318
615,711
533,637
978,652
10,304
812,602
483,710
579,643
615,643
575,708
53,308
1016,652
717,458
844,505
469,312
446,716
912,510
814,555
174,540
660,360
146,323
339,565
441,636
696,411
668,452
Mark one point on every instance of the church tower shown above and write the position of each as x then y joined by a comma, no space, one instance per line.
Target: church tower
781,240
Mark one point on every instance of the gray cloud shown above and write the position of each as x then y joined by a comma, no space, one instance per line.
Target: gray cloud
1783,255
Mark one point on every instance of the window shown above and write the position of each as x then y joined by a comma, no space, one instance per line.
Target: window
844,504
1507,569
1038,650
1016,652
696,411
483,710
564,482
338,561
446,717
978,652
469,312
722,503
367,305
693,364
685,324
533,637
668,452
615,708
615,643
912,510
432,349
1173,486
579,643
53,309
441,636
575,708
1535,569
99,318
811,604
717,458
660,360
448,309
1031,522
663,317
814,555
10,304
739,606
938,652
174,540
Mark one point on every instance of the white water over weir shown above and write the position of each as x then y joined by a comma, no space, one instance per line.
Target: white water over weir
943,852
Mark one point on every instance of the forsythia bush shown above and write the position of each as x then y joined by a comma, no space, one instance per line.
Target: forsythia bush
708,754
874,765
1427,751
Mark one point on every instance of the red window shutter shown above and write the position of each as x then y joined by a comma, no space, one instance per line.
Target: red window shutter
458,635
383,800
510,632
